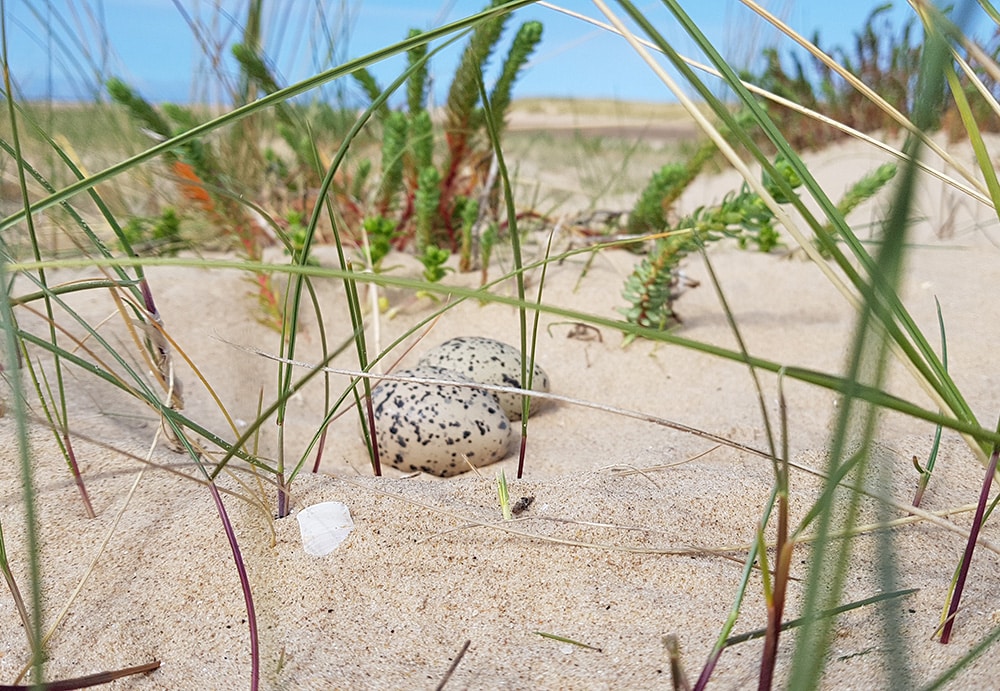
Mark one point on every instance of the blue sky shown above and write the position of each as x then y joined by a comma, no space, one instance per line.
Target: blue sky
58,48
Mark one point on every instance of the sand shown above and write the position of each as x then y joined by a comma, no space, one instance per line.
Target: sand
636,530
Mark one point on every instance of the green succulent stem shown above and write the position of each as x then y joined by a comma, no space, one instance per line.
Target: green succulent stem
393,146
426,202
416,85
469,214
463,95
529,35
654,284
649,215
421,139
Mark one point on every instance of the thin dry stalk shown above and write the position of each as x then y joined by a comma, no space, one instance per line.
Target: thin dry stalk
96,558
87,681
677,676
977,524
454,664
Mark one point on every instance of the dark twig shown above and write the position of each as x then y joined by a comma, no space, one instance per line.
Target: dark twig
454,664
84,682
977,524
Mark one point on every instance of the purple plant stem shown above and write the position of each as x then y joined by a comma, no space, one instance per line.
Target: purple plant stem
147,298
319,450
977,523
77,477
377,463
244,584
776,609
520,458
706,671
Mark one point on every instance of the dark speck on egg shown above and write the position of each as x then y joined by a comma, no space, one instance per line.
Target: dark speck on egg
488,361
406,429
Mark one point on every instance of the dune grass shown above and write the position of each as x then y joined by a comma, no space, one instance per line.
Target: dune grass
144,368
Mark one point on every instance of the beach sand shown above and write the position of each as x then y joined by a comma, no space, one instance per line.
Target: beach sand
636,530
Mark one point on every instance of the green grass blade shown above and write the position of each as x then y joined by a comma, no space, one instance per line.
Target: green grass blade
925,472
12,365
563,639
984,645
28,499
840,609
975,137
850,443
527,359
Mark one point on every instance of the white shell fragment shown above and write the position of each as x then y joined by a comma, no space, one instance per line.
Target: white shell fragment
324,526
488,362
429,427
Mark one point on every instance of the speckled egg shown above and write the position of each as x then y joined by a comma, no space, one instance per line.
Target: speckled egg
428,427
489,362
